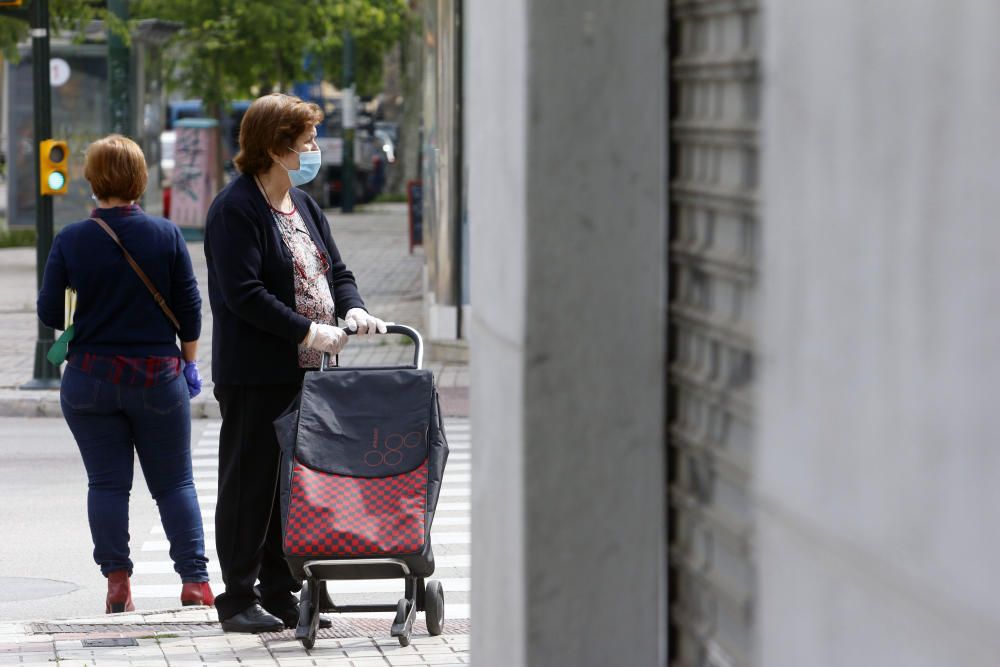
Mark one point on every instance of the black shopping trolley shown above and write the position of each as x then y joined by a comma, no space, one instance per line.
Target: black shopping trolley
363,455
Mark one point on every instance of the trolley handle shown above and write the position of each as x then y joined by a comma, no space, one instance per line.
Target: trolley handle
409,332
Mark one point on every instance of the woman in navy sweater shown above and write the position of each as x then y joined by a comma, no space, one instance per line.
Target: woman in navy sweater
127,386
276,283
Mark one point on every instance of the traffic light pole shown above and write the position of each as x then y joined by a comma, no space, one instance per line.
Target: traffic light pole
348,116
46,375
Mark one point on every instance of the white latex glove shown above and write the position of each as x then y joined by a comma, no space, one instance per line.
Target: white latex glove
359,320
326,338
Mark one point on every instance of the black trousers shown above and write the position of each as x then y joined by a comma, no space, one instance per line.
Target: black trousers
247,516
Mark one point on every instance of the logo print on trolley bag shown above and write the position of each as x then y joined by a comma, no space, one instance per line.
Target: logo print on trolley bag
392,455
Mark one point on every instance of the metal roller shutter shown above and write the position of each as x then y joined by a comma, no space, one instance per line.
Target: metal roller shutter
713,204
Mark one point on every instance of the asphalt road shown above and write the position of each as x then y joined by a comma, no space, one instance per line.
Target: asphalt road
47,569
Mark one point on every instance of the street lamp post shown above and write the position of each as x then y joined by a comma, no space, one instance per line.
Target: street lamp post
46,375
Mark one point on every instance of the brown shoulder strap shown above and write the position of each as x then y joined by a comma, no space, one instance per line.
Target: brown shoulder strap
142,276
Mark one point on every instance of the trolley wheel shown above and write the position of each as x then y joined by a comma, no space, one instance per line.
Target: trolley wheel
308,624
434,608
402,625
304,610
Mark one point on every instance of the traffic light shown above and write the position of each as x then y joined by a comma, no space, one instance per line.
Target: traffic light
54,172
10,3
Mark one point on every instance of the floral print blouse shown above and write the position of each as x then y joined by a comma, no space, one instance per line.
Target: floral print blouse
313,298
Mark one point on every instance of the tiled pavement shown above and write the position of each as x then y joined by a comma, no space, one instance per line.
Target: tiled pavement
187,637
374,243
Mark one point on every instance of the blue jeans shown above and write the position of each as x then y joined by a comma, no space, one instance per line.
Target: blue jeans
109,420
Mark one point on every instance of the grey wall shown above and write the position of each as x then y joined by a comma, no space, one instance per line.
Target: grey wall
565,133
878,451
496,135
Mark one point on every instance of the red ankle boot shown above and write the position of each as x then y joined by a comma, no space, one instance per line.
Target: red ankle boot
197,593
119,593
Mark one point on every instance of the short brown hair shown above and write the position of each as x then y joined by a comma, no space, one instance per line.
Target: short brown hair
116,167
272,123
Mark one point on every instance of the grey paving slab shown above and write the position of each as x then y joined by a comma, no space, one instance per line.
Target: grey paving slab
18,646
374,243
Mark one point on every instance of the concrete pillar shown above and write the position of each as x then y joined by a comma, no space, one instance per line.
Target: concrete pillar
565,125
878,451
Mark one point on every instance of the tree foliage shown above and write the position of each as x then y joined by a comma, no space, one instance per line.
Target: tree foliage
376,26
230,49
64,16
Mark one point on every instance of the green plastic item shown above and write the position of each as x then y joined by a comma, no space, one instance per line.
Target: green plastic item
57,353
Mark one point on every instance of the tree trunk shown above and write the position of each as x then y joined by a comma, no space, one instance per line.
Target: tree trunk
412,64
217,111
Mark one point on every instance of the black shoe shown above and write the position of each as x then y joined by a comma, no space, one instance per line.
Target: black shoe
290,617
253,619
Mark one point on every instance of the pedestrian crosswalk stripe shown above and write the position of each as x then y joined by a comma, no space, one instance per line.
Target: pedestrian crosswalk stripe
211,447
454,507
441,561
452,560
208,513
451,521
167,567
342,586
436,538
161,591
452,611
157,581
207,489
208,526
208,483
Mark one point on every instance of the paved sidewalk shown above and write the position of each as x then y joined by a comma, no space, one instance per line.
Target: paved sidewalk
192,637
374,243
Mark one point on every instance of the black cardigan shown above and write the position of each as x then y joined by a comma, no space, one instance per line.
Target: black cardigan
255,329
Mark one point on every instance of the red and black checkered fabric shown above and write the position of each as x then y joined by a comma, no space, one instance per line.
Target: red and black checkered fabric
342,516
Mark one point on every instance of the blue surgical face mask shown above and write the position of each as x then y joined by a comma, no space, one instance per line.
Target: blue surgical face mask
309,163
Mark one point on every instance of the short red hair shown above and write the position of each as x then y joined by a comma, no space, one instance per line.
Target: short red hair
116,168
271,125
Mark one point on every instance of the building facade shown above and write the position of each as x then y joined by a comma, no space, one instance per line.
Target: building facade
445,233
733,329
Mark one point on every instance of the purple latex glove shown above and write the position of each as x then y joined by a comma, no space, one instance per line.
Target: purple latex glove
193,378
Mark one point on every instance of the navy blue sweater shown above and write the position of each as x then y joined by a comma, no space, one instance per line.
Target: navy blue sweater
251,286
115,313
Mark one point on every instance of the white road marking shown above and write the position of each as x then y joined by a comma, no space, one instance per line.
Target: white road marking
154,573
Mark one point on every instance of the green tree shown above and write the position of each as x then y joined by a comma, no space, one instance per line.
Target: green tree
64,16
376,25
230,49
